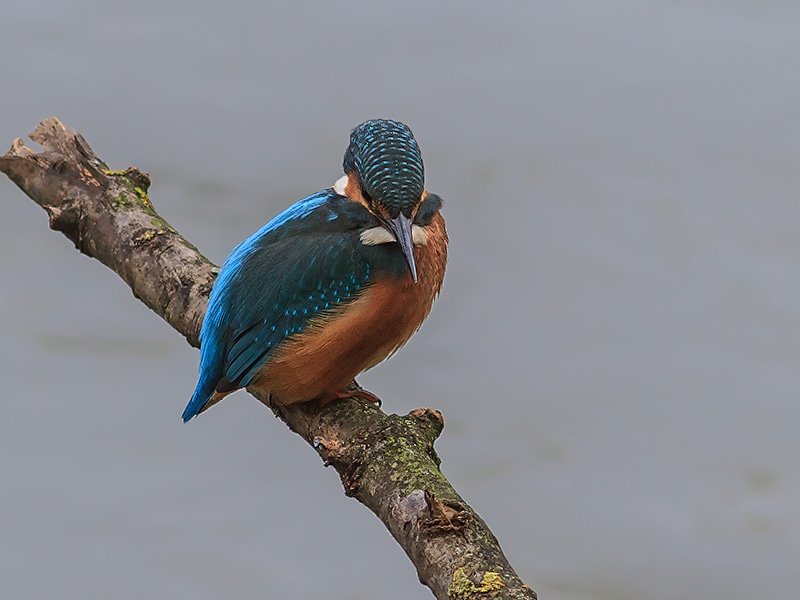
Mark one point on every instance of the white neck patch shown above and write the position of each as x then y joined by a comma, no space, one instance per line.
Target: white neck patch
340,184
375,236
380,235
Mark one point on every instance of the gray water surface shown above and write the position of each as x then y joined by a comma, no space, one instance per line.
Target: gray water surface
615,349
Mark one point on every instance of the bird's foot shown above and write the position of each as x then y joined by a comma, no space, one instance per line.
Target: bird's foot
352,390
355,389
365,394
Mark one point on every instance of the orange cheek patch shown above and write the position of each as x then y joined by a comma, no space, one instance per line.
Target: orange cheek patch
353,191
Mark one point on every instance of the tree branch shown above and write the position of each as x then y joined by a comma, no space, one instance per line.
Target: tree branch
387,462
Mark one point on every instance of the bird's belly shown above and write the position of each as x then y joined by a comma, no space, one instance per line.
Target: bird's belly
322,361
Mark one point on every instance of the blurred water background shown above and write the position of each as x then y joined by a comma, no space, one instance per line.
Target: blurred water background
615,350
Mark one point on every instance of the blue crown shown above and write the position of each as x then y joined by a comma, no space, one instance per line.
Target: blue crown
388,162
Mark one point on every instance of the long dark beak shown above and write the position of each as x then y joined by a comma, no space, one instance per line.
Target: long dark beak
401,228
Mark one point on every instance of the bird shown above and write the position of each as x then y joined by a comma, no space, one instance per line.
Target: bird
331,286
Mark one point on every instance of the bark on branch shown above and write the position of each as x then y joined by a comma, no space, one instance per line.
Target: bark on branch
387,462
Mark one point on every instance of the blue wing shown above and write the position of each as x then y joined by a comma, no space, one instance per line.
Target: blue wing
305,261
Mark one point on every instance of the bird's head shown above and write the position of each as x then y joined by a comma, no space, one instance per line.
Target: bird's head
383,169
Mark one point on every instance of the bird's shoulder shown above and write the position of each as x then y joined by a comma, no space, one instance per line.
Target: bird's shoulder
311,243
322,213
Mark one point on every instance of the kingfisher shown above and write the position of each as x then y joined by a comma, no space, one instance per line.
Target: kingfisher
331,286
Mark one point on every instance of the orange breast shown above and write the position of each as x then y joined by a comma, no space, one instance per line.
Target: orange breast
321,362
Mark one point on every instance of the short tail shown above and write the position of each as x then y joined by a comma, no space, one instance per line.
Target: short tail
195,406
205,396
